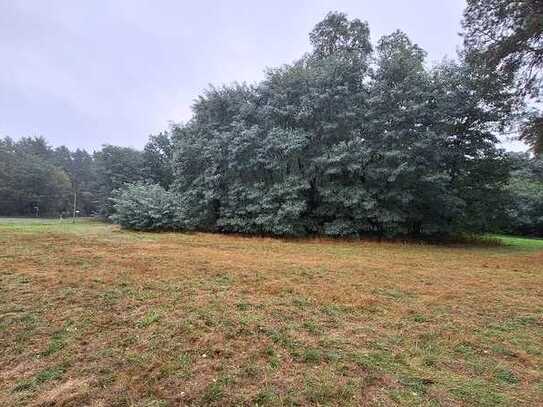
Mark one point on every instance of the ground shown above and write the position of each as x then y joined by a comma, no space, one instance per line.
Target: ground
93,315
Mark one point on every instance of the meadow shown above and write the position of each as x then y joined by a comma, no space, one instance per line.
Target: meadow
94,315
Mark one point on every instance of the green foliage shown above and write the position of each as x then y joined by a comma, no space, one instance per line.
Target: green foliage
30,182
525,210
350,139
336,144
507,36
144,207
504,39
34,175
157,159
115,167
336,34
84,179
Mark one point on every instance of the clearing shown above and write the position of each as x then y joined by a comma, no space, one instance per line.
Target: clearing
92,315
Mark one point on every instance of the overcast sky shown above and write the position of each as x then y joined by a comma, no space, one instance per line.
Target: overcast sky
86,73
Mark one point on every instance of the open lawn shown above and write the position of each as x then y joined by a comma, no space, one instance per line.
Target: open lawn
92,315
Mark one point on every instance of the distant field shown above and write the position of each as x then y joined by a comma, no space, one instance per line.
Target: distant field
92,315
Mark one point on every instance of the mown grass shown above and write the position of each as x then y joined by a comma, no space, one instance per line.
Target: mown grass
520,242
92,315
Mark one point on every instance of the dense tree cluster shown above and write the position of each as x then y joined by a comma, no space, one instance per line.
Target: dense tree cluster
345,141
350,139
38,180
32,178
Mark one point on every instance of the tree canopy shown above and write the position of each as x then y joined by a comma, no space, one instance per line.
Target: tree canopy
506,38
37,179
344,141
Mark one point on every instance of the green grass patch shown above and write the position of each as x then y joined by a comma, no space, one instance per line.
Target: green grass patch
523,243
150,318
480,393
46,375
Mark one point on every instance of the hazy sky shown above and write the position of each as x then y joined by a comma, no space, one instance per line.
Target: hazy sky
85,73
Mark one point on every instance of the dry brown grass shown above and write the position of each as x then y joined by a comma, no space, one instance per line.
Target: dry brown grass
91,315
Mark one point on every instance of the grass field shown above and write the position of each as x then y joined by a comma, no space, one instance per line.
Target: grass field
92,315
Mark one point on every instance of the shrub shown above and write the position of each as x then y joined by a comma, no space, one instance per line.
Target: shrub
145,207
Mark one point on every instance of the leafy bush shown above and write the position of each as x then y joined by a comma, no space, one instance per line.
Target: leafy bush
145,207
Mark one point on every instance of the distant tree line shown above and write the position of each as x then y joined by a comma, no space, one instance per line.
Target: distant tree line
351,139
38,180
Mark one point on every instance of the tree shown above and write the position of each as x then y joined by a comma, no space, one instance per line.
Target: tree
336,35
343,142
405,178
477,169
532,133
83,175
35,146
506,38
30,179
116,167
524,212
157,159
